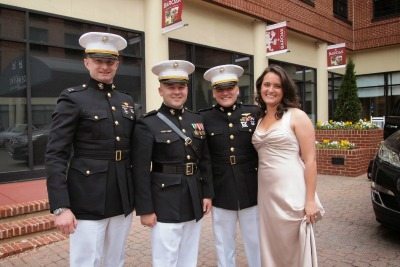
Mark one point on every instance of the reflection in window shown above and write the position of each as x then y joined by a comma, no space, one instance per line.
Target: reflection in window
71,39
12,24
13,112
38,35
52,72
208,58
200,94
334,83
134,41
378,93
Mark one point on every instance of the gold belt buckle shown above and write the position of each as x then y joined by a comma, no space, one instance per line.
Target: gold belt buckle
118,155
232,160
189,168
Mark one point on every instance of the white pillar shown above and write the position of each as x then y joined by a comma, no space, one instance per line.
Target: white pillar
322,82
260,55
156,47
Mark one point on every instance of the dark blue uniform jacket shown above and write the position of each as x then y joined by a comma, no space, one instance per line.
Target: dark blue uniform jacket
171,179
88,161
233,157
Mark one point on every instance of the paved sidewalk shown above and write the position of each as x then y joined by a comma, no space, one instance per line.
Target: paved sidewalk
348,235
19,192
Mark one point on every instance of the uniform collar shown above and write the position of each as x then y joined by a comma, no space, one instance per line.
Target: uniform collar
227,109
101,86
172,111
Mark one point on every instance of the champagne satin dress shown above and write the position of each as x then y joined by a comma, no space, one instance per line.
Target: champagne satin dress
286,239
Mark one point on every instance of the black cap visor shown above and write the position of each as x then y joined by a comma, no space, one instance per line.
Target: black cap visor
101,55
226,85
174,81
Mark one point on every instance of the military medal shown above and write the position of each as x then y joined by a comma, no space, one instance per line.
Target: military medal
127,108
198,128
246,118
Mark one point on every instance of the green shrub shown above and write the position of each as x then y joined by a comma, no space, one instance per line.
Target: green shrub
348,106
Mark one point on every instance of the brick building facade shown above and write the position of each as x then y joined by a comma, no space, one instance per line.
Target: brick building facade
316,18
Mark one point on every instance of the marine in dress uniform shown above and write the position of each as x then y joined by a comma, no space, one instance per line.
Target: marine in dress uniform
229,126
173,182
88,159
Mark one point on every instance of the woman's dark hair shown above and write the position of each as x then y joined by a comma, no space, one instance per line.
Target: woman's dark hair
290,99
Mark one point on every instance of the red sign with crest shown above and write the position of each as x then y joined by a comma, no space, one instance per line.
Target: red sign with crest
336,56
276,36
171,15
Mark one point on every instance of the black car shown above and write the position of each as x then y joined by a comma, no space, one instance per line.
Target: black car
391,125
392,121
385,186
17,147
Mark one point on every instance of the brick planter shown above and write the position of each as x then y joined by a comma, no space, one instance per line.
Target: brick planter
352,162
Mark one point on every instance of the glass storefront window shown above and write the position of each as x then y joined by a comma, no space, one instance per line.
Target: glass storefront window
200,94
372,100
334,83
12,24
309,100
134,41
13,112
208,58
395,78
378,93
246,92
129,77
370,80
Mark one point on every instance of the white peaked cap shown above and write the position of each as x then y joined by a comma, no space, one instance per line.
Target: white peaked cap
102,43
223,74
171,71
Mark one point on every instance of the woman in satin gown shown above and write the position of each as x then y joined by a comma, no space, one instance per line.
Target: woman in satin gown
287,171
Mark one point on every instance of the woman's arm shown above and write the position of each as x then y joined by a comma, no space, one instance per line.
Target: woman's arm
305,134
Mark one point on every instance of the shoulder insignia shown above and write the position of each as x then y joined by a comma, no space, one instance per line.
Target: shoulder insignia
76,89
153,112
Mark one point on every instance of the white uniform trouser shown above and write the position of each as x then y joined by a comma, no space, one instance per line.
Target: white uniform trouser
175,244
100,242
224,226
